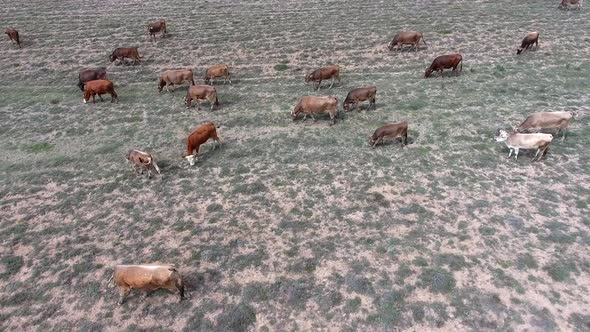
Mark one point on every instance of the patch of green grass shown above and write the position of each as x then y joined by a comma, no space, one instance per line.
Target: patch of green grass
236,318
39,147
281,67
12,264
352,306
560,270
438,280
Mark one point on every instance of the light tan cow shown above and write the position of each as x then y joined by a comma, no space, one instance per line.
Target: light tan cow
517,141
406,38
201,92
217,71
172,77
148,277
547,120
310,104
141,161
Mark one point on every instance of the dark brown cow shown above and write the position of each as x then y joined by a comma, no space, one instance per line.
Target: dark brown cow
358,95
91,74
309,105
123,53
406,38
201,92
324,73
155,27
217,71
100,87
197,138
172,77
444,62
528,41
13,35
390,131
567,4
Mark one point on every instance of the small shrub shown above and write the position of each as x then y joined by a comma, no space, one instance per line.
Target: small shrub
236,318
281,67
438,280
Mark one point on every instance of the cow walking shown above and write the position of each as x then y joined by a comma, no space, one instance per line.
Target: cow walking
13,36
148,278
310,104
142,161
444,62
324,73
201,92
172,77
358,95
217,71
100,87
123,53
91,74
517,141
406,38
546,120
155,27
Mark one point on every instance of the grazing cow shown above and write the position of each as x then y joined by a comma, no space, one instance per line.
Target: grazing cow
13,36
141,161
148,278
517,141
217,71
100,87
444,62
122,53
198,137
201,92
171,77
547,120
528,41
358,95
567,4
324,73
406,38
309,105
390,131
155,27
91,74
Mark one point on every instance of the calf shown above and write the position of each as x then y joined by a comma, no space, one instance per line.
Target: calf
100,87
171,77
528,41
155,27
567,4
358,95
123,53
91,74
390,131
324,73
201,92
309,105
13,36
141,161
406,38
444,62
217,71
517,141
547,120
198,137
147,278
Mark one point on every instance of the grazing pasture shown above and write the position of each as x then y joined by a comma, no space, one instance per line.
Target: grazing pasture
295,226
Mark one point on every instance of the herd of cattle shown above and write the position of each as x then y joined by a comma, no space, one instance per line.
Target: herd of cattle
94,82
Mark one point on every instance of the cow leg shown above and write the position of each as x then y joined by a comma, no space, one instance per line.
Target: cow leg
229,78
510,153
405,139
198,105
123,292
516,153
94,99
172,85
332,84
564,134
100,97
377,142
319,84
536,154
312,117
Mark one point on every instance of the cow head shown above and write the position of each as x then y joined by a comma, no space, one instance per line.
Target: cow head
308,77
427,73
112,57
187,100
191,159
502,136
86,96
519,50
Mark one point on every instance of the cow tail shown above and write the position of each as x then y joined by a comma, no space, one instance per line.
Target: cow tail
461,63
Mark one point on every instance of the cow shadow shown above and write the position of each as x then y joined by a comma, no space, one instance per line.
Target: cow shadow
410,49
395,141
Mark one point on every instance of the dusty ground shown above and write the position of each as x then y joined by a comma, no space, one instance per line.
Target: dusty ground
295,226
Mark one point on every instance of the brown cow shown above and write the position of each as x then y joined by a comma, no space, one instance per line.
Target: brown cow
217,71
197,138
13,36
155,27
567,4
546,120
324,73
141,161
443,62
358,95
171,77
148,278
528,41
311,104
91,74
390,131
201,92
122,53
100,87
406,38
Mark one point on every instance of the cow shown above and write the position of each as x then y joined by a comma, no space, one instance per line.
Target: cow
149,277
444,62
406,38
172,77
324,73
528,41
155,27
547,120
13,36
390,131
358,95
517,141
91,74
123,53
217,71
567,4
311,104
199,136
100,87
141,161
201,92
